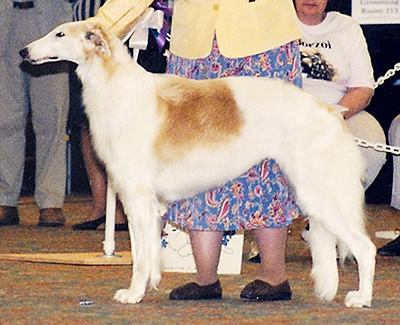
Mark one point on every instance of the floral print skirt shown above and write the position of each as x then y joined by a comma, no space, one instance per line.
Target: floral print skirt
262,196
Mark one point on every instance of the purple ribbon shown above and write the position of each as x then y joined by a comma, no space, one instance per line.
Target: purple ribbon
161,5
161,38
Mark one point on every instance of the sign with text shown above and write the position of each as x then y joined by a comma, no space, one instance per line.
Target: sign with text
376,11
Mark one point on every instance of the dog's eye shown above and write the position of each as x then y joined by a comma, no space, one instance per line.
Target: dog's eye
60,34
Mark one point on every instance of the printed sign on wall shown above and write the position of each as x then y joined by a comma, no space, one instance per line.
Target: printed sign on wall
376,11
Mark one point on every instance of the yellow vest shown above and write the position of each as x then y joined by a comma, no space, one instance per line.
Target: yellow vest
242,27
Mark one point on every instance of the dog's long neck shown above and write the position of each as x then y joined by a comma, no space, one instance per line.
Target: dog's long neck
101,67
104,75
115,91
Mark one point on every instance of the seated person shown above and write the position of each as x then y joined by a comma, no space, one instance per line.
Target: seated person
337,69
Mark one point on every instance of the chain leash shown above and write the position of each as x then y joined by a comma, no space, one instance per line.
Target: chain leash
388,74
379,146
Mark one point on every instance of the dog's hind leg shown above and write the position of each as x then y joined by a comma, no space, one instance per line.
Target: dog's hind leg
323,251
349,231
363,250
145,235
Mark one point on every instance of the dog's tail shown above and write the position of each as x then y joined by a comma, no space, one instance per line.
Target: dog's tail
323,250
343,253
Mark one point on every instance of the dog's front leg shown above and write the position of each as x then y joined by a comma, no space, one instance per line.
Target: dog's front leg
144,229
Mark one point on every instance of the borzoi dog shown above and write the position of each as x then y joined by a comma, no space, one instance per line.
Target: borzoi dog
164,138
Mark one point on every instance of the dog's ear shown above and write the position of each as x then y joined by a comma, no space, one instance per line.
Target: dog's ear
99,40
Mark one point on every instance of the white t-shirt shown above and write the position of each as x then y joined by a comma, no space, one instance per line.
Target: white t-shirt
334,57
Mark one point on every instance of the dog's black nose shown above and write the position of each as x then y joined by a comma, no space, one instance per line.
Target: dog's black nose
24,53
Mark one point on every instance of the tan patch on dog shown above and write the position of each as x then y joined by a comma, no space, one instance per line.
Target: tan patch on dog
195,113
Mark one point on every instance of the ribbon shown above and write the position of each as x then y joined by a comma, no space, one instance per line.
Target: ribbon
153,18
162,37
160,5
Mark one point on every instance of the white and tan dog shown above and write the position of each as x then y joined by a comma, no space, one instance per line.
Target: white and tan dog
162,137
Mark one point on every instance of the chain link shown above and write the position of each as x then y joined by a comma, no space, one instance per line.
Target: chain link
388,74
378,146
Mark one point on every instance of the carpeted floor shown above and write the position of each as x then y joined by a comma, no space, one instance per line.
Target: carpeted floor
39,293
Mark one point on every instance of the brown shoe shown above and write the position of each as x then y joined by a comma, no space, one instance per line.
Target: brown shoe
193,291
263,291
8,216
51,217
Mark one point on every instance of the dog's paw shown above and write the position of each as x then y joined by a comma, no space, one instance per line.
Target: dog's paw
126,296
356,300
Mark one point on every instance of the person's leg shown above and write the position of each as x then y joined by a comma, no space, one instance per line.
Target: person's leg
97,181
49,98
272,283
13,111
394,140
12,148
13,114
121,223
272,246
95,172
49,94
206,246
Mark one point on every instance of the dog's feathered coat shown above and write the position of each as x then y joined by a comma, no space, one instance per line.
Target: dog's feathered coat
162,137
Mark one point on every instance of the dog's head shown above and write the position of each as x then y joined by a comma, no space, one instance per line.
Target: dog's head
75,42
